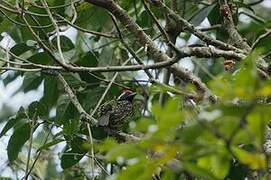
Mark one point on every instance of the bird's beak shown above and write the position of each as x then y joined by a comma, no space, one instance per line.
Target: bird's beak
132,95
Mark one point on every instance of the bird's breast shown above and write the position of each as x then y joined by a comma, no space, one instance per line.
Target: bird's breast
122,109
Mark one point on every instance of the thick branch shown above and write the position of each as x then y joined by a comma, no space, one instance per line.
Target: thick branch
234,37
145,40
190,28
201,52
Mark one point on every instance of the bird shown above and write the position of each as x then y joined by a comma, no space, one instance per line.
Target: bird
113,114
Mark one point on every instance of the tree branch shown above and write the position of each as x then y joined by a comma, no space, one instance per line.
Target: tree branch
145,40
190,28
73,98
234,37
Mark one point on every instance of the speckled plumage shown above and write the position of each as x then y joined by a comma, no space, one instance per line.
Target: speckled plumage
114,114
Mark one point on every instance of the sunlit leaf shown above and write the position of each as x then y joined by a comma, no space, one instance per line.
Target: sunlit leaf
253,160
138,171
218,164
125,151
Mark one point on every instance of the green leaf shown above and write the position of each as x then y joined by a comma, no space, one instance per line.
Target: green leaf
51,92
89,98
89,59
214,16
10,77
31,82
217,164
20,35
106,57
92,16
126,151
257,122
126,4
20,48
6,24
1,19
141,171
65,110
41,58
238,171
253,160
220,165
159,87
241,4
65,43
243,84
168,174
41,21
143,124
73,155
144,19
246,79
201,14
71,126
198,171
37,109
50,144
191,133
13,121
264,44
108,144
168,118
190,6
17,140
31,43
74,80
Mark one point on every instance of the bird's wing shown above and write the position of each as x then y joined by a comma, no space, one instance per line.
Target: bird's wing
104,120
104,113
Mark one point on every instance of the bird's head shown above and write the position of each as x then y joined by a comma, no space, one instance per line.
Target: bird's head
127,95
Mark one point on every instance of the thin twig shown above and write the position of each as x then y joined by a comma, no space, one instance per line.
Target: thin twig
30,146
24,25
153,51
254,17
131,51
204,29
255,3
39,153
261,37
85,30
55,7
190,28
74,99
21,69
161,29
94,111
57,31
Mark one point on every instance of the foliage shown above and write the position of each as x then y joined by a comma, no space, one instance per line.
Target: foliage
183,136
